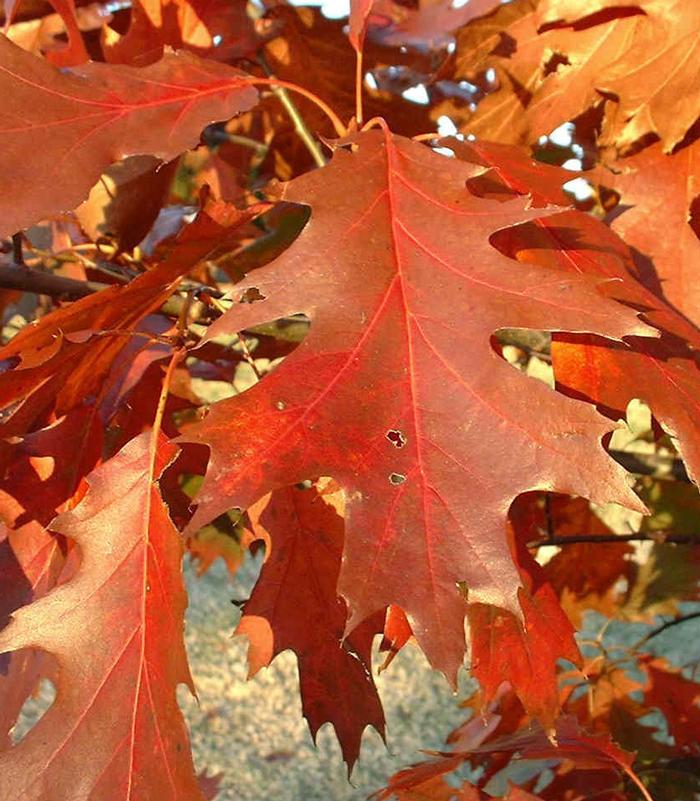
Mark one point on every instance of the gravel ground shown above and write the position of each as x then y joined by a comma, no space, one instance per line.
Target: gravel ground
253,731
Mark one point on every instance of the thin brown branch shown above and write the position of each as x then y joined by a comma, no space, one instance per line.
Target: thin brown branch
669,624
638,536
26,279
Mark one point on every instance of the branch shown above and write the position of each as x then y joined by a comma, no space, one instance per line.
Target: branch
664,627
637,536
26,279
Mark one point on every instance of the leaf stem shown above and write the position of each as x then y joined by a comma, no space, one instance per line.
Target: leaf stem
160,409
359,85
374,122
245,141
638,782
279,89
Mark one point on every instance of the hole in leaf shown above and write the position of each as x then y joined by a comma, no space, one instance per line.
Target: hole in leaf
396,437
37,704
397,478
557,60
695,216
527,351
252,295
232,363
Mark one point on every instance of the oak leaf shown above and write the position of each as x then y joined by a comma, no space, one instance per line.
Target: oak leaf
44,34
359,13
508,42
125,202
116,630
397,632
403,289
294,605
69,54
314,52
428,25
664,373
31,562
551,69
94,115
584,575
569,742
657,217
655,76
66,358
524,653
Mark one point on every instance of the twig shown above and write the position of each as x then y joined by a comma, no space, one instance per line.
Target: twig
290,107
669,624
245,141
661,537
27,279
359,84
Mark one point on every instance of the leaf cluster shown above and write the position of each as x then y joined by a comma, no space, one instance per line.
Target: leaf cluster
407,301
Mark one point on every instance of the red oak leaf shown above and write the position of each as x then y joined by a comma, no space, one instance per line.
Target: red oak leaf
72,53
294,605
82,347
504,649
643,55
31,562
583,574
116,631
657,217
64,129
663,372
567,742
428,25
403,401
359,12
515,169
